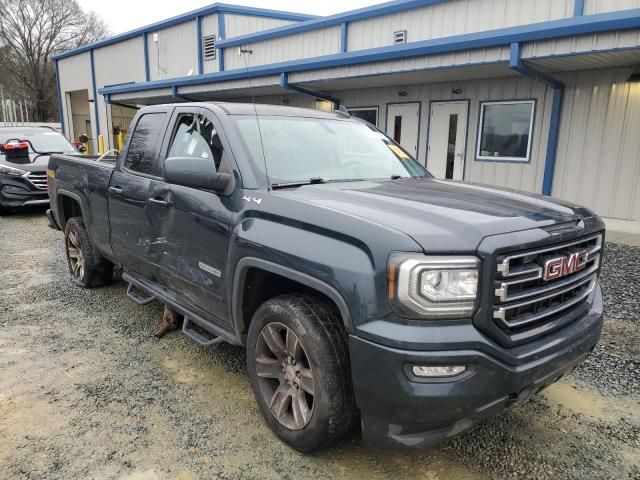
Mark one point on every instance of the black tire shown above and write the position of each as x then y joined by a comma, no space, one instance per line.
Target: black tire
95,271
318,327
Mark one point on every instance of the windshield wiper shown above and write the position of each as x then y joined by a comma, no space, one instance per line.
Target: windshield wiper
311,181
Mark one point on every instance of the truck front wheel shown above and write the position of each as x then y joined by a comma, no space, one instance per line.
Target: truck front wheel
86,267
298,364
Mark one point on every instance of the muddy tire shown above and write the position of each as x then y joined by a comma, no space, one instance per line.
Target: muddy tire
298,363
87,268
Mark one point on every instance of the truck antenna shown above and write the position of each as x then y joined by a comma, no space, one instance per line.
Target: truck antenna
245,52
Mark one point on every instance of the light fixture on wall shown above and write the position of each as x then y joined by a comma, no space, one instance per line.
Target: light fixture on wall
402,93
635,77
456,91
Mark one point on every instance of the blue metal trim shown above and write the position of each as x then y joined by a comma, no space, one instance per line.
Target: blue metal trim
95,94
578,8
185,17
344,32
331,21
515,63
554,29
556,112
60,98
222,32
199,44
284,83
552,142
466,137
145,49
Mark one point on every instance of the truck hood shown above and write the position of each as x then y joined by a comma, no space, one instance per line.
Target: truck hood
453,215
37,163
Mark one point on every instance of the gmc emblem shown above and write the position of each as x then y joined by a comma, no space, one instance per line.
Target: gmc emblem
559,267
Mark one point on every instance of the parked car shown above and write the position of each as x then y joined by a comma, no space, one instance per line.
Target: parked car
24,155
366,291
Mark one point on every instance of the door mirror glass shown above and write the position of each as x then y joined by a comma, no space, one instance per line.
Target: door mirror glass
197,173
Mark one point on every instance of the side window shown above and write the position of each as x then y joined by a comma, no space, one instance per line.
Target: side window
142,148
195,136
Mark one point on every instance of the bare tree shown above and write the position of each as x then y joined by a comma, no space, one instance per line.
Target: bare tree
31,31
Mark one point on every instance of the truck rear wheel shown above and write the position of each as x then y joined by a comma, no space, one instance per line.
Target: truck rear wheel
86,267
298,364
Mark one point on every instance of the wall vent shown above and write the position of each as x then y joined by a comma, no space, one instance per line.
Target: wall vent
209,47
399,37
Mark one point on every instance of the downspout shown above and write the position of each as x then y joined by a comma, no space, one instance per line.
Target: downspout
516,64
59,99
176,94
284,83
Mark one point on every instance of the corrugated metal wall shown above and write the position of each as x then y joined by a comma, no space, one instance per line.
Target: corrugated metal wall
175,53
119,63
598,162
582,43
324,41
599,6
237,25
75,74
454,18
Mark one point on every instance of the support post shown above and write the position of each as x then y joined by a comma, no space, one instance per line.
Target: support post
516,64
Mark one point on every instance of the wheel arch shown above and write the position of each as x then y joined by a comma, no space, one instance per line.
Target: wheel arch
68,204
245,265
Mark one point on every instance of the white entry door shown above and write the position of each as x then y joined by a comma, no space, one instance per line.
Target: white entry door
447,139
403,125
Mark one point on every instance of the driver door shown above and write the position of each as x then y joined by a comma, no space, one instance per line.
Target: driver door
190,227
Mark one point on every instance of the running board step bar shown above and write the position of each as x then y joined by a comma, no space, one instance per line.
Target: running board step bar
197,337
134,294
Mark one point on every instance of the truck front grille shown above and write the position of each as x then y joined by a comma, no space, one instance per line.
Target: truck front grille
524,300
38,179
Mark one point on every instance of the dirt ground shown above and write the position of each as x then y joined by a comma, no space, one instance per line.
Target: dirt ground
87,392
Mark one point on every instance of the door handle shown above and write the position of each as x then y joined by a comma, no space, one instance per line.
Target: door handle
159,202
115,190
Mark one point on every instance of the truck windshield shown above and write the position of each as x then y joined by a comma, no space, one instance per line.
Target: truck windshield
318,150
43,140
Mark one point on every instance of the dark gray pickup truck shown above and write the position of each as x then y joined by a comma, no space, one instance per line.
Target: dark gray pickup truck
365,291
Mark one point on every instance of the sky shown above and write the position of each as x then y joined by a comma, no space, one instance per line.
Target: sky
124,15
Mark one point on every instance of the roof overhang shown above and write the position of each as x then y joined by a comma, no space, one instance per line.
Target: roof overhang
501,38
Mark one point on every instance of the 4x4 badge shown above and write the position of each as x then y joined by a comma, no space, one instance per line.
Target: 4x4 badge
248,199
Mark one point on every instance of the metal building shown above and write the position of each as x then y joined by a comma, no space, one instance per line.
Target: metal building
537,95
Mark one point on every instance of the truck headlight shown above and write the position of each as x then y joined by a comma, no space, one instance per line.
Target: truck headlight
6,170
433,286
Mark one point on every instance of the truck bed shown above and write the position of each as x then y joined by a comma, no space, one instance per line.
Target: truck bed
108,161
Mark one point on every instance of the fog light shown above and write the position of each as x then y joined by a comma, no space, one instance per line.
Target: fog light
433,371
12,189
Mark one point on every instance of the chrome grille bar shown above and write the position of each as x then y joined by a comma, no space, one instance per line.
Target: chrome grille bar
504,267
500,313
37,179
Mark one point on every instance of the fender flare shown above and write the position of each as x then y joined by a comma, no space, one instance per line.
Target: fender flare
59,209
239,277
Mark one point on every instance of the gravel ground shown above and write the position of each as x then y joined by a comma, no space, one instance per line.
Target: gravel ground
87,392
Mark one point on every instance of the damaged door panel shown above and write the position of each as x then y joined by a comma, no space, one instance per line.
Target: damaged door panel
189,232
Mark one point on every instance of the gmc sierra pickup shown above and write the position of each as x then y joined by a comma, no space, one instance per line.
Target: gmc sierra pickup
364,290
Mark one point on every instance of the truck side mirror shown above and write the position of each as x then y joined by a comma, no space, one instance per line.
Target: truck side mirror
197,173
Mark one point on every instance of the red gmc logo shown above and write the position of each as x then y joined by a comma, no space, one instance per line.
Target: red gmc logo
558,267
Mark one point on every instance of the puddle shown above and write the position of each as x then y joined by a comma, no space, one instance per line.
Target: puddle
591,404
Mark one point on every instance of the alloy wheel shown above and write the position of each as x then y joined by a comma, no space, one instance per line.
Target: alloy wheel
285,376
76,258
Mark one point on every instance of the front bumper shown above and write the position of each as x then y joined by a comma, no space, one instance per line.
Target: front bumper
400,411
16,192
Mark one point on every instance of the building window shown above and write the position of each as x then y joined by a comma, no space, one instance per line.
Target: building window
370,114
209,47
505,129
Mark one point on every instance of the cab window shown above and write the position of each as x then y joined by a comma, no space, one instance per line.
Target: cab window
142,149
195,136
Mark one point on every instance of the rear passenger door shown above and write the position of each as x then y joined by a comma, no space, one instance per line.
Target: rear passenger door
128,191
190,227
